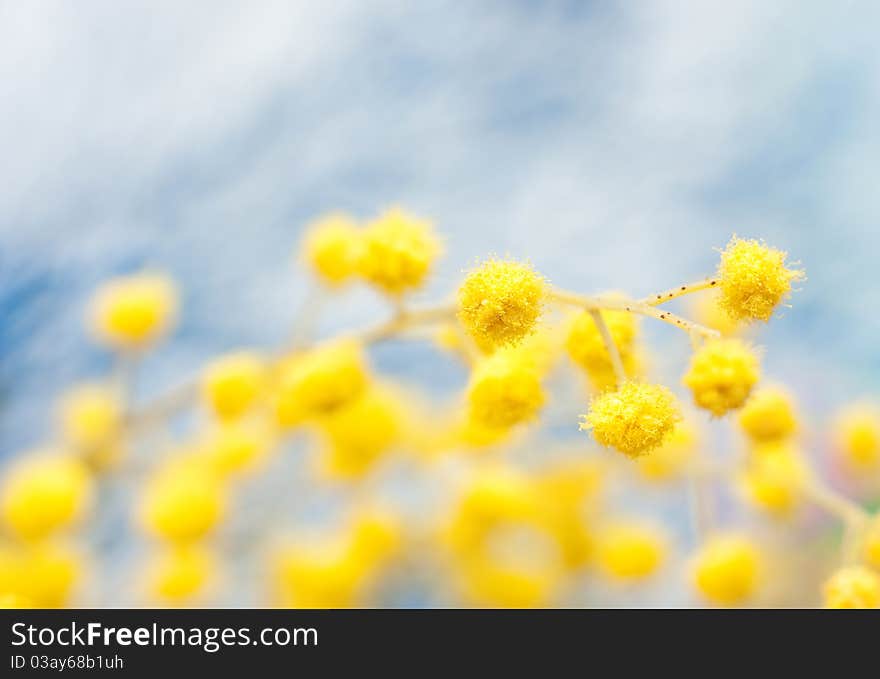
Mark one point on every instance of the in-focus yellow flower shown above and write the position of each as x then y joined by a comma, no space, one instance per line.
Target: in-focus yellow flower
505,390
852,587
398,252
236,447
774,479
727,569
587,349
133,311
721,375
49,575
332,248
183,501
671,459
769,415
320,381
753,279
857,435
634,420
630,551
500,302
232,384
44,493
360,434
91,422
180,574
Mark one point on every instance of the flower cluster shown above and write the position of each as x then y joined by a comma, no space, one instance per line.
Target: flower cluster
501,499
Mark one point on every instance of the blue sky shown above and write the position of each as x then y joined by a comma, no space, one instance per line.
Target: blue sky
614,144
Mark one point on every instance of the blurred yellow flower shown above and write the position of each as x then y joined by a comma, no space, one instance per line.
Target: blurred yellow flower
320,381
49,574
721,375
360,434
91,422
505,390
43,493
630,551
232,384
852,587
726,570
183,501
398,252
769,415
707,311
672,458
180,574
132,311
568,495
236,447
856,432
774,478
332,248
587,349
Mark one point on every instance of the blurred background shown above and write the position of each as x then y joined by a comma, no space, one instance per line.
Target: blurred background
613,144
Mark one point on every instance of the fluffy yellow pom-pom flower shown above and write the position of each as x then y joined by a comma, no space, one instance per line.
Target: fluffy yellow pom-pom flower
726,570
42,494
91,421
852,587
587,349
133,311
753,279
722,374
635,419
857,435
629,551
398,252
320,381
774,478
769,415
183,502
332,248
505,390
500,302
180,574
232,384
